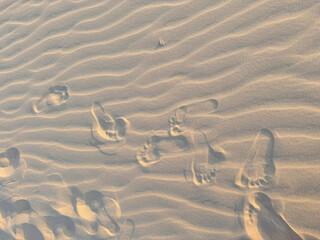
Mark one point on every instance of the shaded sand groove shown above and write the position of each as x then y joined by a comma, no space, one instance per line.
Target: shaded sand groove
159,119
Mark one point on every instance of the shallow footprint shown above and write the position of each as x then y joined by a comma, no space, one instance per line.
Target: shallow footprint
201,170
177,121
108,133
159,145
55,97
259,170
11,168
262,222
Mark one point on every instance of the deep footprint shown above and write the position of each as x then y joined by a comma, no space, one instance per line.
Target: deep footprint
91,206
201,170
157,146
54,98
108,133
262,222
259,170
10,166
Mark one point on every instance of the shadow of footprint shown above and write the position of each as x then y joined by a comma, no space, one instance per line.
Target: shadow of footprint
108,133
61,224
53,99
262,222
11,168
259,170
22,206
6,236
29,232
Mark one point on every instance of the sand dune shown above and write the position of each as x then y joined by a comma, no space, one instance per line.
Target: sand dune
159,119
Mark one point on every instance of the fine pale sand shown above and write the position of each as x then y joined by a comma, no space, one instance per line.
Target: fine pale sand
160,119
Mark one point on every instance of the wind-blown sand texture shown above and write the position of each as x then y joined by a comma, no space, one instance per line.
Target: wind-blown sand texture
159,119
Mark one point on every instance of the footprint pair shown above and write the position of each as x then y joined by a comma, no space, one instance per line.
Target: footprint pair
182,138
102,214
260,219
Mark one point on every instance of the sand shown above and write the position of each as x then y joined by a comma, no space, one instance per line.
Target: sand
159,119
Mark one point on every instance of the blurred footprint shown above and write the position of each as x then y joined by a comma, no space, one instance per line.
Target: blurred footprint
27,231
11,168
108,133
61,225
259,170
127,230
55,97
262,222
6,236
177,121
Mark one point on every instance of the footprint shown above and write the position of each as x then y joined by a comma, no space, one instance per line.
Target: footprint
11,168
55,97
259,170
158,145
94,208
177,121
262,222
200,171
106,129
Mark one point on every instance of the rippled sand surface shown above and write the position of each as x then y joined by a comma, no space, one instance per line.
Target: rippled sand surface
159,119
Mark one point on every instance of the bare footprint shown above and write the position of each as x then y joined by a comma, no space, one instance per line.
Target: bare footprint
106,130
177,121
259,170
92,208
201,171
158,145
55,97
262,222
11,168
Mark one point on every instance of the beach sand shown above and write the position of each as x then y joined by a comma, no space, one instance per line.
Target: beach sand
159,119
